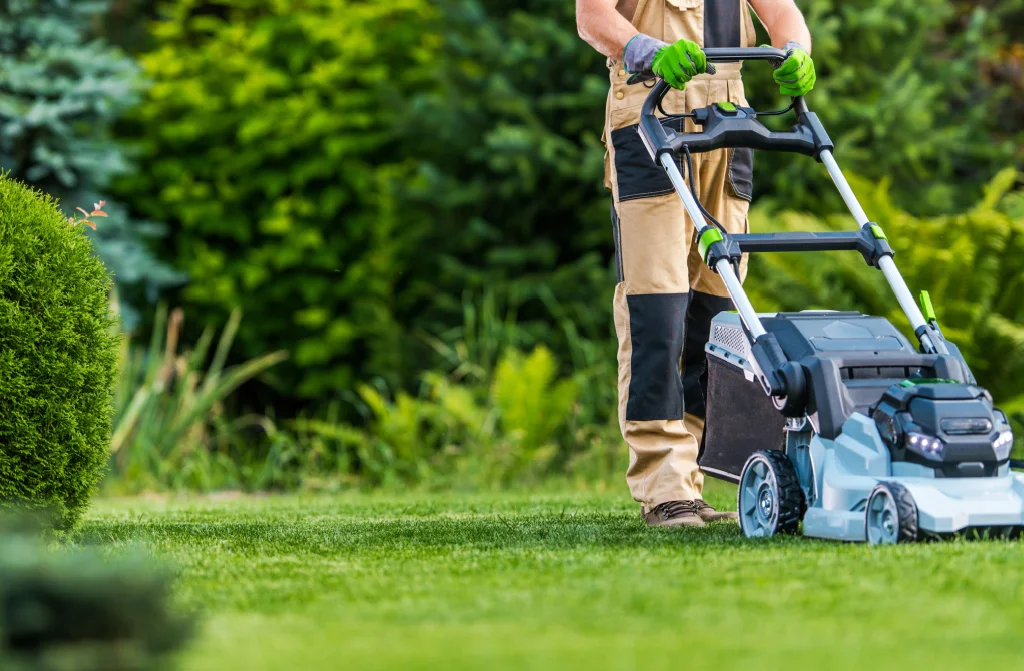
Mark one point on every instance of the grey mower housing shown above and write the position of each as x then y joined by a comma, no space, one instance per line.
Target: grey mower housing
834,419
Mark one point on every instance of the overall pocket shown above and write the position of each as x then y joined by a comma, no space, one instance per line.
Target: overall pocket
741,172
684,19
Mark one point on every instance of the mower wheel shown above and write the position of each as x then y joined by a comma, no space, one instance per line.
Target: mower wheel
891,515
770,498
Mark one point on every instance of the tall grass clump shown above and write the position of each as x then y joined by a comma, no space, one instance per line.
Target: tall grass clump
171,428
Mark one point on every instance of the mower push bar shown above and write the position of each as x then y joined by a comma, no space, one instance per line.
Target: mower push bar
726,126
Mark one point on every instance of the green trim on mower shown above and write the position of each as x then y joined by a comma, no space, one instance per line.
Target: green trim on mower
708,237
927,380
877,231
926,306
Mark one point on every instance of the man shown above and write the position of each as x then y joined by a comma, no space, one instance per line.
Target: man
666,296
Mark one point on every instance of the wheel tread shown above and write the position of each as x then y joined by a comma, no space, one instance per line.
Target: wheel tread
791,502
906,511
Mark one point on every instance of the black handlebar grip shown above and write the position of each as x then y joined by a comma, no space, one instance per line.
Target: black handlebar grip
711,69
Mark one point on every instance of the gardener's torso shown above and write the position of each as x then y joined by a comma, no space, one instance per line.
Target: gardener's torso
709,23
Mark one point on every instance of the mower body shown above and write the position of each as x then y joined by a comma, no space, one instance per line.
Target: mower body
879,412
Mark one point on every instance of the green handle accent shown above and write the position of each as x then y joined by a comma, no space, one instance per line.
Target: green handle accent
927,380
727,106
708,237
877,231
926,307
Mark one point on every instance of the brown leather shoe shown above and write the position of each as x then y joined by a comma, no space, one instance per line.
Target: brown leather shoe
674,514
707,513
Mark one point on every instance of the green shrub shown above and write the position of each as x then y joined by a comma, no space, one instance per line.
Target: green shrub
521,425
910,91
268,141
58,357
75,610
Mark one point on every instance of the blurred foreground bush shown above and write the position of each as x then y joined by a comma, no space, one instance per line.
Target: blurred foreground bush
58,357
78,611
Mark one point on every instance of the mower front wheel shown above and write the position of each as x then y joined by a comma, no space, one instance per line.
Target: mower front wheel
770,498
891,515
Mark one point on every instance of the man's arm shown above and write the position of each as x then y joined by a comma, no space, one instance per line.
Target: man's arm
784,21
602,27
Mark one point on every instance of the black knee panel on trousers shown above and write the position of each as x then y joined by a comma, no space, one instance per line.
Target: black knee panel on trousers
656,326
702,309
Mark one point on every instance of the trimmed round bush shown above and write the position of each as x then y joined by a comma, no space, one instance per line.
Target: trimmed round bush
58,357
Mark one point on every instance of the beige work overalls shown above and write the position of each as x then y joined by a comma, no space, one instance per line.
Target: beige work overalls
666,296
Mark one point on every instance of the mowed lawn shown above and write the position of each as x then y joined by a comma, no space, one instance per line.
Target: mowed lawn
558,581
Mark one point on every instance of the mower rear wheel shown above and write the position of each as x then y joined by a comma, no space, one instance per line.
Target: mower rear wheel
770,498
891,515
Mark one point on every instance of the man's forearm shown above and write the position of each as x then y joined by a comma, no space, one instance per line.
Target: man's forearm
784,21
602,27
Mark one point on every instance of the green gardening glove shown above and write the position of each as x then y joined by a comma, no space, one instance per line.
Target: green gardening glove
679,63
795,76
646,57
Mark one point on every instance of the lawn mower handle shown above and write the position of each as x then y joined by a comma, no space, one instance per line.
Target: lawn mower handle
728,126
723,128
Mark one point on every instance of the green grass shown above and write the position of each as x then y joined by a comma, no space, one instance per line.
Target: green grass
559,581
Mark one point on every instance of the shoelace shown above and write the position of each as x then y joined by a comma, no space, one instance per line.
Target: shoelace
701,504
677,508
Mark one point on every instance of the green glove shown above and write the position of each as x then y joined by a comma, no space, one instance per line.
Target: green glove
646,57
679,63
795,76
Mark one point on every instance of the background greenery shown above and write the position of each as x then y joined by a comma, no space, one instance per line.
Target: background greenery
395,236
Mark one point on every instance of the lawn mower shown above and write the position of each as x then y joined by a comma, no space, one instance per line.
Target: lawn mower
834,419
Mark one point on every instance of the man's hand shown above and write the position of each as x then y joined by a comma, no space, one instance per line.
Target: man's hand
678,63
795,76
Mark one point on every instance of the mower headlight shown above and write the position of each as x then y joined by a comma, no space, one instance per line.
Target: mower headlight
928,447
1003,444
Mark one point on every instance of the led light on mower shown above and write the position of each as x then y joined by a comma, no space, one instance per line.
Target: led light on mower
928,447
1003,444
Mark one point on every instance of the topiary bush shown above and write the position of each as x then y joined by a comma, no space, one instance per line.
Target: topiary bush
58,357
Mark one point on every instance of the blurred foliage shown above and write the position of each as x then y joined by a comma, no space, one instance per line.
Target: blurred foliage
62,91
352,172
972,264
918,93
75,610
170,425
270,138
497,416
58,357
